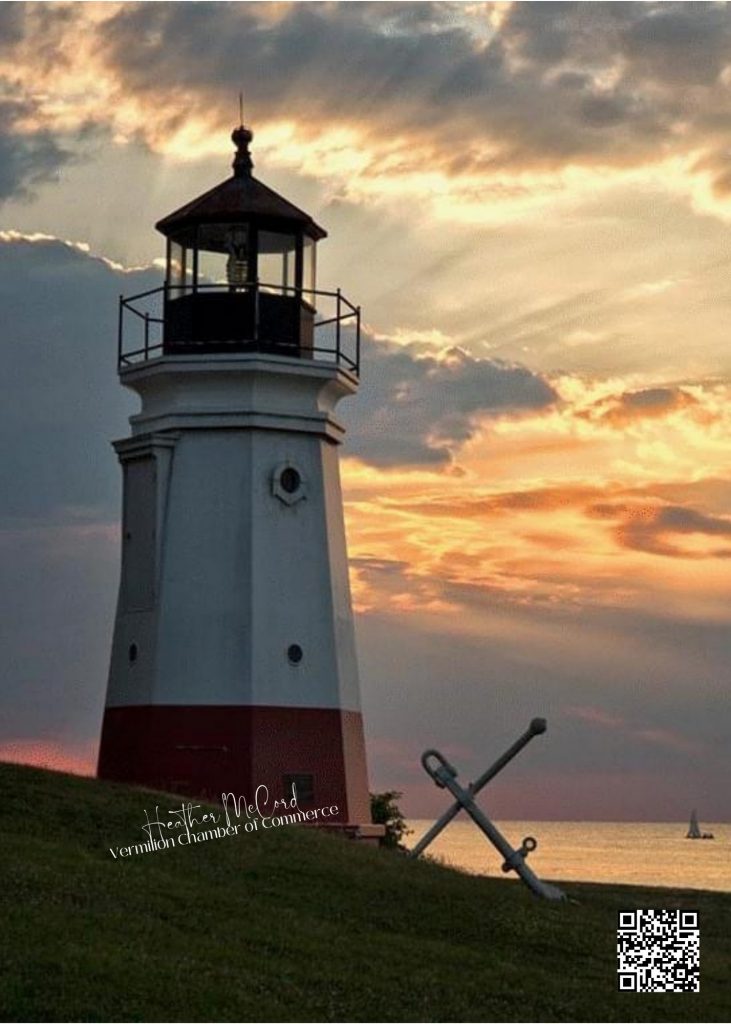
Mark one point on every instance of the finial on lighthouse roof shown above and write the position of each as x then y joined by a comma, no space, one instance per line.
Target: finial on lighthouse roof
241,137
243,164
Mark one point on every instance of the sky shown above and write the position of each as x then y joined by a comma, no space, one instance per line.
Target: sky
532,203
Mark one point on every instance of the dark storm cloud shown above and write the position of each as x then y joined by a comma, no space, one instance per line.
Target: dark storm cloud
553,84
547,86
418,409
26,158
309,60
680,43
12,24
31,153
60,403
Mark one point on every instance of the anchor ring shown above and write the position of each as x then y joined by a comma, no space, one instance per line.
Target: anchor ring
440,773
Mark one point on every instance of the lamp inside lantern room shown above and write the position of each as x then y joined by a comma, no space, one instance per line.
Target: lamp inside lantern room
237,264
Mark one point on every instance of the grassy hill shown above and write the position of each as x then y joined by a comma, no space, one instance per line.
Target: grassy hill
297,925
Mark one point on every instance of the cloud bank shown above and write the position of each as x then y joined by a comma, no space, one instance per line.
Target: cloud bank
418,409
484,105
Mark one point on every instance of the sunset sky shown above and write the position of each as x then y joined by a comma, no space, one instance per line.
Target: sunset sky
532,203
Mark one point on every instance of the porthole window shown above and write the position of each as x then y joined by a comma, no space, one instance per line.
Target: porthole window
295,654
288,484
132,653
290,480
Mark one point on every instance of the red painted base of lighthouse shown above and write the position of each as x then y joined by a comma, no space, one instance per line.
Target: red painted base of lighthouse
203,751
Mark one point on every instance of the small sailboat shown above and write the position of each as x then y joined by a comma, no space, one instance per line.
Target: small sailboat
694,831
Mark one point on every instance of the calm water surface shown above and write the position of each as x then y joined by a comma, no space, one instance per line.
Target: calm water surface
595,851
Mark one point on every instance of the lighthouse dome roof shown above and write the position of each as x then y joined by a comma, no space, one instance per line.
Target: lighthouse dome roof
240,197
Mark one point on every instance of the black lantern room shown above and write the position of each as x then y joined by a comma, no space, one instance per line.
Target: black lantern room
240,268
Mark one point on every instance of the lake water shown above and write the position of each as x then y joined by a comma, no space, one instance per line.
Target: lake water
594,851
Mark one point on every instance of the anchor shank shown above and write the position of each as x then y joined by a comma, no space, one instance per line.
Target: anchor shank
522,741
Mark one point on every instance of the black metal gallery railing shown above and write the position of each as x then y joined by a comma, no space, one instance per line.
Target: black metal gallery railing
223,318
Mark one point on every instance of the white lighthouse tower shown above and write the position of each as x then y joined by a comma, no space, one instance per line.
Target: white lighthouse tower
233,662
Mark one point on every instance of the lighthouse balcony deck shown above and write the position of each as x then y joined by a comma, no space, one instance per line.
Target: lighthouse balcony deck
255,317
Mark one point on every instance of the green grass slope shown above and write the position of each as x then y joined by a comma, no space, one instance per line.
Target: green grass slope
295,925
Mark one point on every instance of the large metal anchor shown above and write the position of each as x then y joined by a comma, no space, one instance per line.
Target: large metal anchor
445,776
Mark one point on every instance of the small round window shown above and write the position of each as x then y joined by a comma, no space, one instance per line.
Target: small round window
288,484
295,654
290,480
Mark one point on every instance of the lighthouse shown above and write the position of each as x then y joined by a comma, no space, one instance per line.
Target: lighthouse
233,663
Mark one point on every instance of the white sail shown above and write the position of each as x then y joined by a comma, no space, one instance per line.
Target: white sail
694,831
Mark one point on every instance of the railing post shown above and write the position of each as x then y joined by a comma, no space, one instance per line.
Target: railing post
147,334
119,332
357,340
337,331
256,310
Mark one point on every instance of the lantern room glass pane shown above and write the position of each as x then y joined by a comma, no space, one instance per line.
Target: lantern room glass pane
212,268
309,269
180,270
224,255
277,256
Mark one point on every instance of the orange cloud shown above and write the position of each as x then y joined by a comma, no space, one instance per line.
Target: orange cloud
656,528
626,518
647,403
534,499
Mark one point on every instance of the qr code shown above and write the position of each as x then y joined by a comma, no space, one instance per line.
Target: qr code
659,951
